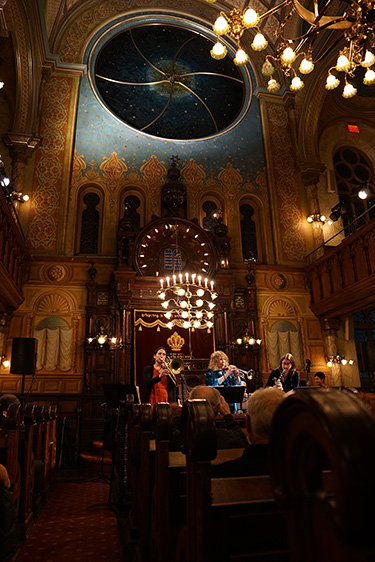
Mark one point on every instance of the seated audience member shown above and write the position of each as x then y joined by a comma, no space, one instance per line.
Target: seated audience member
320,379
5,401
261,407
9,529
368,398
232,437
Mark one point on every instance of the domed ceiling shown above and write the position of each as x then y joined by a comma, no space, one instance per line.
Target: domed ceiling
159,78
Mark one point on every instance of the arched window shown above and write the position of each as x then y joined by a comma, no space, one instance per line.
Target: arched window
353,171
209,207
132,208
248,233
90,216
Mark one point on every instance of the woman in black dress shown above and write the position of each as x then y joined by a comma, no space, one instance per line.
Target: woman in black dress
285,376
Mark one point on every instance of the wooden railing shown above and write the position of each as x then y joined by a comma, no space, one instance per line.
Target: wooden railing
343,279
14,258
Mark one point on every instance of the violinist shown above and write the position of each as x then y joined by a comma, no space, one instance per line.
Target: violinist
285,376
159,382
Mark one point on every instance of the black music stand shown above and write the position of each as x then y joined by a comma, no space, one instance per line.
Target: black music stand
232,394
114,395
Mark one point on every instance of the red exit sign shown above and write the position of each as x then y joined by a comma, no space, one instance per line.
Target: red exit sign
353,128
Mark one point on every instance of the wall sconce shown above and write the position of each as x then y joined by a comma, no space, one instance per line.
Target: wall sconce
316,217
19,196
247,340
4,361
336,359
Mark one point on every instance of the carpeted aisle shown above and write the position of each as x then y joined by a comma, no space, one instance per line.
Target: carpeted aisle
67,531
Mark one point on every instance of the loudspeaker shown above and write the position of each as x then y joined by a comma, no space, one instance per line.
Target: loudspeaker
23,359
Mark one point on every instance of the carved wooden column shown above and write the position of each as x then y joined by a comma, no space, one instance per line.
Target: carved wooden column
21,147
4,327
329,329
310,174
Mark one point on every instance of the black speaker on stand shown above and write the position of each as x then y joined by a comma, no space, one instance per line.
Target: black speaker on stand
23,360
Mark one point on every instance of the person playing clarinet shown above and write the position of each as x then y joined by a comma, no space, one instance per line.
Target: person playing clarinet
159,383
285,376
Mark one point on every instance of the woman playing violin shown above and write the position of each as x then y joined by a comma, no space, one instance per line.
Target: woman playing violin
159,384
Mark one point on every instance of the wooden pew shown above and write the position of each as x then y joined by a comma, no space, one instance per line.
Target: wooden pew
26,460
227,518
132,479
145,482
314,430
9,445
169,494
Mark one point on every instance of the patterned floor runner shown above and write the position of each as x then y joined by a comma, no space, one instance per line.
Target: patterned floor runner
67,531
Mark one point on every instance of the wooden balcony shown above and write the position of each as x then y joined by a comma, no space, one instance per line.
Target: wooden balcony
343,279
14,258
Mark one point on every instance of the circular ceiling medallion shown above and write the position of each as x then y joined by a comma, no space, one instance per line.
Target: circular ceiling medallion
160,79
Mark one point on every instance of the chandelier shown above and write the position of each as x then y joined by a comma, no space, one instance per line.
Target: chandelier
356,25
102,339
189,300
248,340
338,359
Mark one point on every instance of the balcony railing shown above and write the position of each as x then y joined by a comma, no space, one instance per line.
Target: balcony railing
343,279
14,257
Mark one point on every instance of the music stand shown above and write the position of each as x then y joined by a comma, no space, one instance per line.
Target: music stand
114,394
232,394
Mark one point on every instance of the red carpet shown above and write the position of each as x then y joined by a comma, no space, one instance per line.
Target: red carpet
67,531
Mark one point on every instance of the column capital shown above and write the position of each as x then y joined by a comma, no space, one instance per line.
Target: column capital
310,172
20,145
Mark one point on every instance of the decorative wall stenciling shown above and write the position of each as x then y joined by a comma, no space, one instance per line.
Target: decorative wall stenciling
289,204
47,181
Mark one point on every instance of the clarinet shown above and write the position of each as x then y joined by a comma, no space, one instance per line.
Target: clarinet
277,379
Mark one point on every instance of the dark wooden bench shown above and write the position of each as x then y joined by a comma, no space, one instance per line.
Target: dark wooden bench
9,446
226,518
315,430
169,492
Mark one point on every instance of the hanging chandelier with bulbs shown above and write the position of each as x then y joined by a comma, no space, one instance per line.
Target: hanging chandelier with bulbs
338,360
189,300
295,56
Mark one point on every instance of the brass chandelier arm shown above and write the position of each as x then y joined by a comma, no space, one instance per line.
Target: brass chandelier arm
211,74
163,110
335,22
202,102
145,58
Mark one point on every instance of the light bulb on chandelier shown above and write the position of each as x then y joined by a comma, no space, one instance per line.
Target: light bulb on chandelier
189,300
356,25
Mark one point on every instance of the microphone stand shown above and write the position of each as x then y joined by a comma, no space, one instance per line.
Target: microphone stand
184,388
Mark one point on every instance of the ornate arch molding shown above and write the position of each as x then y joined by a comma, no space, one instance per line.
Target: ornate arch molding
54,302
282,310
81,22
23,59
335,135
309,118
